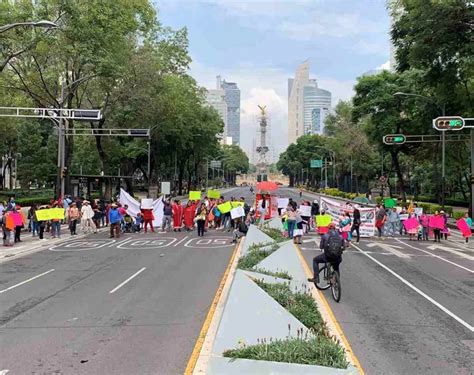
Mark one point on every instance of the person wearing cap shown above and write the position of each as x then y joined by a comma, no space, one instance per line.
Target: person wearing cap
86,217
115,219
73,215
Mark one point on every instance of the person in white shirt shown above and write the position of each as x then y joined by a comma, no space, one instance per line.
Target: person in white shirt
87,213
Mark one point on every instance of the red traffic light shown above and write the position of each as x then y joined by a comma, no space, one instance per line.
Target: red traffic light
448,123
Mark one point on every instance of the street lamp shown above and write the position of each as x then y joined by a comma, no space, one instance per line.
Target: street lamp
43,23
442,110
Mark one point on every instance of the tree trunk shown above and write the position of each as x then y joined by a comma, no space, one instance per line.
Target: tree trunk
398,171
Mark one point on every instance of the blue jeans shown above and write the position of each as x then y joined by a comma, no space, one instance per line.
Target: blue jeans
56,229
291,228
34,227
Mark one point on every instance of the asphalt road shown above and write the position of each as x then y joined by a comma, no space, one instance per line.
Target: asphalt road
405,308
96,306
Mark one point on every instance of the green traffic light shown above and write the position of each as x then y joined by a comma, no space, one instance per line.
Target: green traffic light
455,123
398,139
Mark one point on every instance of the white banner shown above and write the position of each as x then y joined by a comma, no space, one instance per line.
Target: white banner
147,203
237,212
283,202
305,210
336,209
134,207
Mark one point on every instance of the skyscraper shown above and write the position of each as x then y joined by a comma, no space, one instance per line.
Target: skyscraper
215,98
308,105
232,99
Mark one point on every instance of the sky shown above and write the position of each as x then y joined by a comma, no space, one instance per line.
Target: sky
259,43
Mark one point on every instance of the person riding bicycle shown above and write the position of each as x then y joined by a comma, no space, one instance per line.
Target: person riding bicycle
332,245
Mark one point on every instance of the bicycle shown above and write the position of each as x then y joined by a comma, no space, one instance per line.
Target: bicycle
329,278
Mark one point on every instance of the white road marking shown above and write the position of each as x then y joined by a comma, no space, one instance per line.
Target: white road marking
390,248
182,240
126,281
437,256
26,281
4,372
421,293
449,250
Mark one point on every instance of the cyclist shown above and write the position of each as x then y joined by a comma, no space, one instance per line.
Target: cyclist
332,245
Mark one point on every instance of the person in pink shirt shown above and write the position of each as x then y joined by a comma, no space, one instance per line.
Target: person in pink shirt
424,221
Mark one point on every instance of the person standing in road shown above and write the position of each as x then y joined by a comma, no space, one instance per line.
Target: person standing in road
200,219
437,231
356,224
189,216
86,217
393,221
468,221
114,219
291,220
262,211
314,212
33,221
445,231
73,216
380,218
167,217
425,224
148,219
177,210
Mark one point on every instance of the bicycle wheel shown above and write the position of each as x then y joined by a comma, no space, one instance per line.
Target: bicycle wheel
323,283
336,286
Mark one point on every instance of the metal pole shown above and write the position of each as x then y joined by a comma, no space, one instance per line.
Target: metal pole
62,145
351,174
472,172
321,179
334,169
382,174
207,173
443,161
326,173
149,164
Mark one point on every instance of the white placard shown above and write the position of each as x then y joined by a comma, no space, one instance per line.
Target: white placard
237,212
403,216
418,211
166,188
305,210
147,203
283,202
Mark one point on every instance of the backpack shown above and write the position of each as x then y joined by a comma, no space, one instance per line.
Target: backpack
334,246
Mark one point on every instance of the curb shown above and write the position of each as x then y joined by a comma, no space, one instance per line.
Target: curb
197,363
329,317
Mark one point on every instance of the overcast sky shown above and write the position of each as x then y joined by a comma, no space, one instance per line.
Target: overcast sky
259,43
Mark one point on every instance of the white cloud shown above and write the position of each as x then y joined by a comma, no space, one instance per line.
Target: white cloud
380,47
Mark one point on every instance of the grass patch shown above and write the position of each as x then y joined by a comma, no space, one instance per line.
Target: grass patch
318,350
255,255
275,234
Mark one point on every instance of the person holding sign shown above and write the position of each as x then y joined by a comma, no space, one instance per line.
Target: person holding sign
177,215
189,216
200,219
464,225
322,222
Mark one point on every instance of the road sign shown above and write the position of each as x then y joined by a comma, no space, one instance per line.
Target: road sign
382,179
448,123
394,139
166,188
317,163
216,164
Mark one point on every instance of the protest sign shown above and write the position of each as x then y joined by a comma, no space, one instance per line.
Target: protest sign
411,223
305,210
403,217
418,211
283,202
213,194
323,220
237,212
464,228
237,204
50,214
17,219
436,222
147,204
389,202
194,195
336,208
224,207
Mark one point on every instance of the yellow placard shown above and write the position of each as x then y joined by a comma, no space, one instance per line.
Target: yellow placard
323,220
194,195
213,194
237,204
225,207
50,214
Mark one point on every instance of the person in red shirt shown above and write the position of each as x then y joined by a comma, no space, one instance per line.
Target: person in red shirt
148,219
177,215
189,211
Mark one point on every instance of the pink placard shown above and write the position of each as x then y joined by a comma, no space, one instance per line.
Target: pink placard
436,222
17,218
411,223
464,228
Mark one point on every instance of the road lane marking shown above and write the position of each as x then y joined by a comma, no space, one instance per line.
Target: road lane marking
180,241
449,250
126,281
390,248
26,281
441,258
420,292
4,372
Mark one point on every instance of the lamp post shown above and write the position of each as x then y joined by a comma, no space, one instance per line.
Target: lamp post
43,23
442,110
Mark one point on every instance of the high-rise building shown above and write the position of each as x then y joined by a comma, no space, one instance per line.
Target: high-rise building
232,99
215,98
308,105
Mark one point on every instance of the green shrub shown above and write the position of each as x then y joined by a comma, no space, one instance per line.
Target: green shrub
458,215
319,350
275,234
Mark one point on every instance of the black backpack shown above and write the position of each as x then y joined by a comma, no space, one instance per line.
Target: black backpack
334,245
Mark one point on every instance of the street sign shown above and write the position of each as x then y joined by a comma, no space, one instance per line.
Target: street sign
382,179
394,139
165,188
317,163
448,123
216,164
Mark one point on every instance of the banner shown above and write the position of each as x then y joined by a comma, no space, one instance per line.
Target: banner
464,228
237,204
323,220
213,194
134,207
224,207
436,222
194,195
147,203
305,211
50,214
17,219
403,217
411,223
336,209
283,202
418,211
389,202
237,212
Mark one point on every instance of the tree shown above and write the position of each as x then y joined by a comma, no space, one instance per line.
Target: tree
235,160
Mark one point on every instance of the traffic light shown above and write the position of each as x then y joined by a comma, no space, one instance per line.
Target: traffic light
394,139
448,123
63,173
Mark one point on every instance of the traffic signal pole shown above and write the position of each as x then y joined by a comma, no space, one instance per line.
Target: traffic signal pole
472,172
443,160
